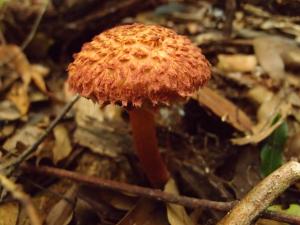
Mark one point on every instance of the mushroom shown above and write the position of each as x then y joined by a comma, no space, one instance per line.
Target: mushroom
140,67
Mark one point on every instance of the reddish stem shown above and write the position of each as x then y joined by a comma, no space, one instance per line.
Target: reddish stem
145,142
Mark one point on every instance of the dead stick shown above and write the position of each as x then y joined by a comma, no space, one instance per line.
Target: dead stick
22,157
26,201
149,193
262,195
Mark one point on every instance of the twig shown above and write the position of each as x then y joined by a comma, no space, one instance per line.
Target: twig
18,194
262,195
22,157
35,25
156,194
149,193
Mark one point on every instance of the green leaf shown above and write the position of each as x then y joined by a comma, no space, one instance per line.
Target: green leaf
293,209
272,150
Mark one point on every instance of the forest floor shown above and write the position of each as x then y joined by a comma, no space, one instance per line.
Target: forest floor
218,144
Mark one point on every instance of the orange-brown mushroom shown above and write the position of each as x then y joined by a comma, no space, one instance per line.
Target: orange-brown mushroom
141,66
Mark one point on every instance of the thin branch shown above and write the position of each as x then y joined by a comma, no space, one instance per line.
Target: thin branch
156,194
262,195
26,201
149,193
11,165
35,25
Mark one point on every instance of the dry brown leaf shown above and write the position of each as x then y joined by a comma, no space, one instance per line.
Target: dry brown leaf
16,59
261,134
38,73
62,212
101,130
236,63
9,213
145,212
87,110
8,111
18,94
26,135
176,213
224,108
62,147
269,51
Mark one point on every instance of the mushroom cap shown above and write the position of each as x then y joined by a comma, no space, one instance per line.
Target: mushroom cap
138,64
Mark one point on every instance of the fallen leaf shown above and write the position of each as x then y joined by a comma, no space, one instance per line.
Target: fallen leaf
260,134
246,173
9,213
62,146
8,111
176,213
13,56
38,73
236,63
101,140
18,94
101,130
26,135
269,50
225,109
145,212
16,59
87,110
62,212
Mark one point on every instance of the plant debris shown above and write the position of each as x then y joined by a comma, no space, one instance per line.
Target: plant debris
218,144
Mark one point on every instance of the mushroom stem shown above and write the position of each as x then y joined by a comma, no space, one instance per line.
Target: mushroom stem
145,143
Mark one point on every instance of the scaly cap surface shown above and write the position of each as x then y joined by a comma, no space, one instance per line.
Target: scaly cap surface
138,63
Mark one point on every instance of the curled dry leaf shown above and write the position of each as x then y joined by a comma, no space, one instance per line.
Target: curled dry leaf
236,63
15,58
176,213
38,72
62,147
224,108
260,134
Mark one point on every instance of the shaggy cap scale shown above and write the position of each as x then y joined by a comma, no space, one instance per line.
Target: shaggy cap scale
138,63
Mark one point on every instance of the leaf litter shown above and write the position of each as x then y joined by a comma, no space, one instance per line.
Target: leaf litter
211,143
